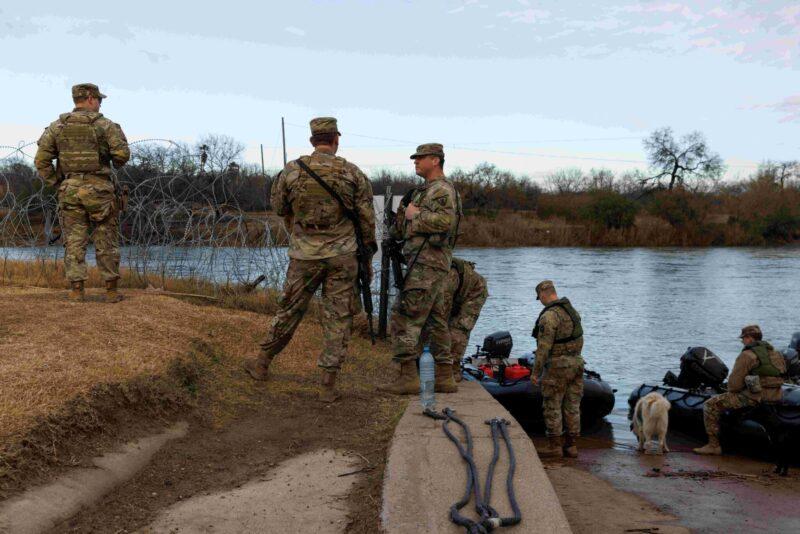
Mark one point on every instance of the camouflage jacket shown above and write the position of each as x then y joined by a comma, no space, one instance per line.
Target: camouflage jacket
319,227
462,289
432,231
555,323
111,141
745,363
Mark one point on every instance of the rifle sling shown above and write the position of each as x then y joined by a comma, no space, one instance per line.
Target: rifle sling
349,213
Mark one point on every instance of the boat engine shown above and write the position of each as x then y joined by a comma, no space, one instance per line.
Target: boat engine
492,358
700,368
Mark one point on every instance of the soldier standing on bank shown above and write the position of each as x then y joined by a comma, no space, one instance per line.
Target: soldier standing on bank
85,144
465,293
322,251
559,368
757,377
428,226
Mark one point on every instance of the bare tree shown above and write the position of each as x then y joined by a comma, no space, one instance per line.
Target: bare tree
570,180
779,171
681,159
601,179
219,151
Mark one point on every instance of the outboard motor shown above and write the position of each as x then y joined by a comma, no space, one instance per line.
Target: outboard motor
792,365
795,342
497,346
701,368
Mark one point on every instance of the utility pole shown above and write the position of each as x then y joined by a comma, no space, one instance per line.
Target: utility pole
263,172
283,136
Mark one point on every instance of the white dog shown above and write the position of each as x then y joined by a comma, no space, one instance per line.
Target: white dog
650,420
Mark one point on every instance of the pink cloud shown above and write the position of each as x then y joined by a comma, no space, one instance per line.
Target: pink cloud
525,16
789,107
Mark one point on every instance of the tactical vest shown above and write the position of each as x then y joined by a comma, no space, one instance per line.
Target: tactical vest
577,329
314,206
78,144
765,366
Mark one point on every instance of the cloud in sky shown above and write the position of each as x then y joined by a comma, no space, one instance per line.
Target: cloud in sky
452,70
789,108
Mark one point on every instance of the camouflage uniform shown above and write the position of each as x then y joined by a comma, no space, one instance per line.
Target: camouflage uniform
322,249
429,239
738,395
464,295
561,367
85,143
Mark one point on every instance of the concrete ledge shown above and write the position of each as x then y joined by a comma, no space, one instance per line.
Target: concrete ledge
425,474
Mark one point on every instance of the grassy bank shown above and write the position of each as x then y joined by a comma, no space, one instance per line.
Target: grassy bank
77,377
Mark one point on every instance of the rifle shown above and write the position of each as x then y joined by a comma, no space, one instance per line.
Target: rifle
363,254
394,247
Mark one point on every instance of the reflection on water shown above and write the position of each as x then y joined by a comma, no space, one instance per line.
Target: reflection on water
642,308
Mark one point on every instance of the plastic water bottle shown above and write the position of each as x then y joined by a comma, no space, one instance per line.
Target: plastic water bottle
427,378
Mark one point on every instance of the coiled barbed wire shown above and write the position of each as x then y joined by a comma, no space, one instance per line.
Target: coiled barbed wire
183,219
179,222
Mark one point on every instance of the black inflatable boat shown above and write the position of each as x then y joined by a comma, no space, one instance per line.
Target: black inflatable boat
508,380
702,376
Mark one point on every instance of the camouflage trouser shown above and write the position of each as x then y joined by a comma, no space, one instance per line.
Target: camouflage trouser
84,202
562,390
338,278
461,325
713,408
420,305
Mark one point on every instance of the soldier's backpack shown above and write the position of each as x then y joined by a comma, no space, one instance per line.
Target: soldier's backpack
701,368
77,143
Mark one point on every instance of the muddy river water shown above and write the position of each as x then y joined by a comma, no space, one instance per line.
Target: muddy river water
642,308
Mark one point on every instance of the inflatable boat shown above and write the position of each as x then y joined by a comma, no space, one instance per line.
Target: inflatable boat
509,381
702,375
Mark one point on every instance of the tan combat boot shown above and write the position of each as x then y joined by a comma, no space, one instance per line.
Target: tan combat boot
712,448
76,292
328,393
570,447
258,367
457,372
553,448
407,382
112,295
444,379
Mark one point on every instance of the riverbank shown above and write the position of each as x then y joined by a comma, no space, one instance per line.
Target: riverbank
77,379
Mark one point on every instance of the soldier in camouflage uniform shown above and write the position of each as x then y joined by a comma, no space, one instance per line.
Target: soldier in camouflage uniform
559,367
464,295
428,226
322,251
85,144
757,377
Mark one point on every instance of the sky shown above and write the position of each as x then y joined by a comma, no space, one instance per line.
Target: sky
529,86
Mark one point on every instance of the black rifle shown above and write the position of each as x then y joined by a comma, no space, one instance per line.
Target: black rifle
363,254
394,247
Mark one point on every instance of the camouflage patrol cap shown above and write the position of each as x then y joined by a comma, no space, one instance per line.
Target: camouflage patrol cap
85,90
323,125
752,330
429,149
543,286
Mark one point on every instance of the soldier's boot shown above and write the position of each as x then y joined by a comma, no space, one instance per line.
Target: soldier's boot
328,392
712,448
570,447
112,295
457,372
407,382
76,292
258,367
445,383
553,448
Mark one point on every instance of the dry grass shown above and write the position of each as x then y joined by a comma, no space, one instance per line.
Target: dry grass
64,366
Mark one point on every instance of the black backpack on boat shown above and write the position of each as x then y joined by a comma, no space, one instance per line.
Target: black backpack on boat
701,368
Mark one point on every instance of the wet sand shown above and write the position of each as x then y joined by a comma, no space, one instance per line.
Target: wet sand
613,488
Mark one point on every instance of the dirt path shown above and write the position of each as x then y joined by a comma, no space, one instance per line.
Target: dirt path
209,460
